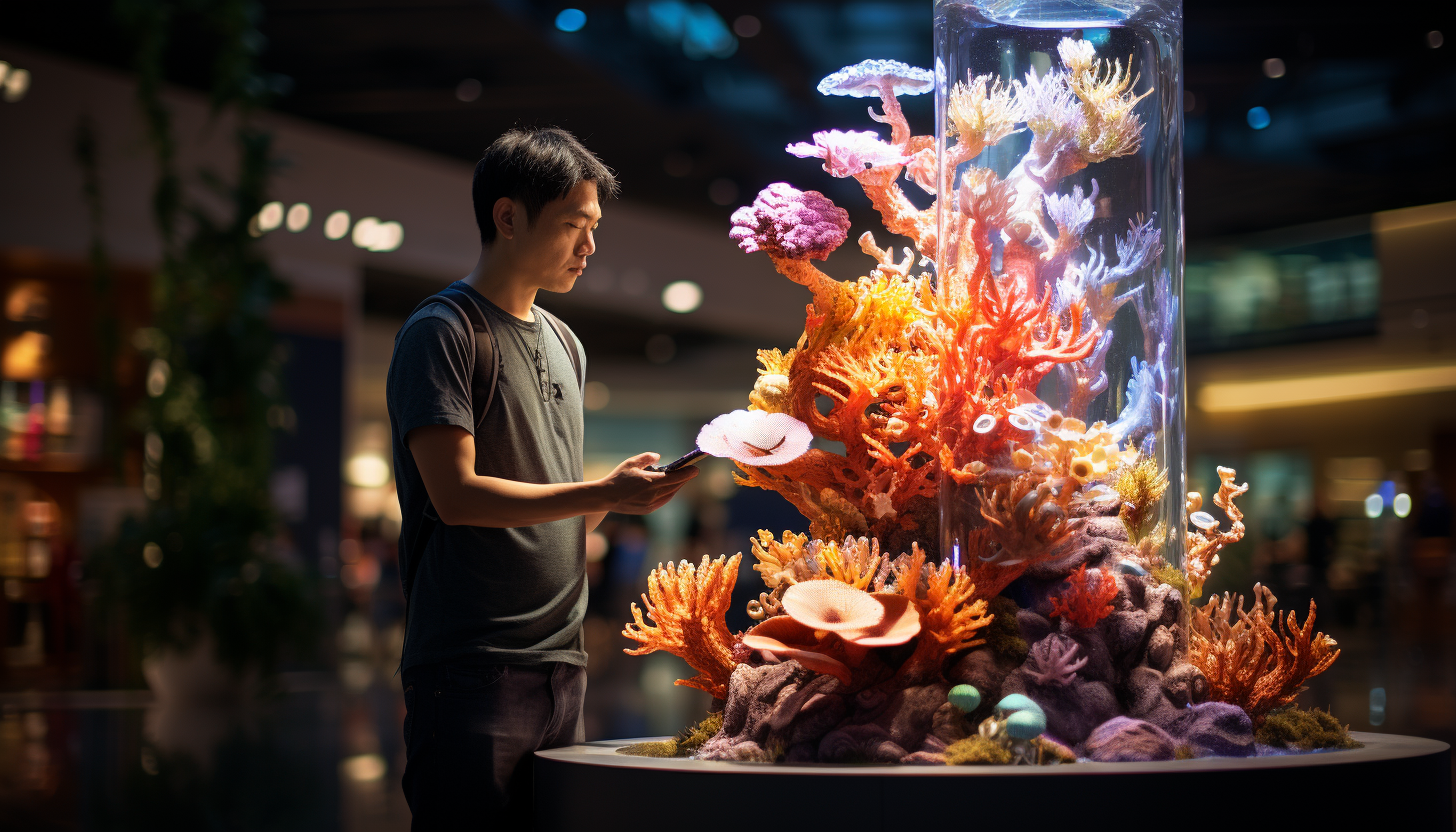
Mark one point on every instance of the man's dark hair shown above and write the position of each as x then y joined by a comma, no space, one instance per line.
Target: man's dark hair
535,165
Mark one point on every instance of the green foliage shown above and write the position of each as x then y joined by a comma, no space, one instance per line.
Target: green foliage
1167,573
213,379
1003,637
977,750
1304,728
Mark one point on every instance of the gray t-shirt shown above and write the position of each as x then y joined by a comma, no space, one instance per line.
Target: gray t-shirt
518,595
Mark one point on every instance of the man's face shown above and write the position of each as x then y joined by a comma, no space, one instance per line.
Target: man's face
554,248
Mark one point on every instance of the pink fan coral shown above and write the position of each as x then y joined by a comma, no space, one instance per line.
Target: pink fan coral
848,152
754,437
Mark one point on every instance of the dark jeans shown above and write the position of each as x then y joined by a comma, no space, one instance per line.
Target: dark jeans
470,730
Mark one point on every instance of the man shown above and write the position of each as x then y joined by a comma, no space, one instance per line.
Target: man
495,519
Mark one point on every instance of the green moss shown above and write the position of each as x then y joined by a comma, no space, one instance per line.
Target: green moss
1305,729
1003,637
689,741
684,744
655,748
1166,573
976,751
1183,752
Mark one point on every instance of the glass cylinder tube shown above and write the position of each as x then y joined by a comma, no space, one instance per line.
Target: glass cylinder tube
1060,221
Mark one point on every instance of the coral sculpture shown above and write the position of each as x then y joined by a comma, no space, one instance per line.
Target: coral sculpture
1061,598
1259,661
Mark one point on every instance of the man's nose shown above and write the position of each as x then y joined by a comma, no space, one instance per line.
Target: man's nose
589,247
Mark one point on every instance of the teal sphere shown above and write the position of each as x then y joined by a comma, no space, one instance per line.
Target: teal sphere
1026,725
965,697
1018,702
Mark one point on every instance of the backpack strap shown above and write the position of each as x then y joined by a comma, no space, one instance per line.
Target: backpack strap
482,394
568,340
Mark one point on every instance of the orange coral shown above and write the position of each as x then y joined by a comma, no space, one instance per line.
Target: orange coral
1249,662
688,605
1087,599
951,617
1204,545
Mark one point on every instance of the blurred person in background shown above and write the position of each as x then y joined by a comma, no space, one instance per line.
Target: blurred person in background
495,512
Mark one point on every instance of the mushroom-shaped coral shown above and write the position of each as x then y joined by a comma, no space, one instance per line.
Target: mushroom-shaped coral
832,606
847,152
1014,702
753,437
784,638
789,223
865,619
869,78
1026,725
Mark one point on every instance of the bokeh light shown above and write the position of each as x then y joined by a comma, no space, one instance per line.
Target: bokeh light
298,217
571,20
1401,505
1258,118
682,296
367,470
271,216
1374,504
337,225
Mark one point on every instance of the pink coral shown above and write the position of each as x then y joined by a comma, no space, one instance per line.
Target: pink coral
1054,661
787,222
847,152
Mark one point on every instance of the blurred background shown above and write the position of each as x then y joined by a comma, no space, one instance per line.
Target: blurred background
334,142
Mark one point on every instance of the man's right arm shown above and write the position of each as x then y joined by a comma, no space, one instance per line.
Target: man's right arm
445,455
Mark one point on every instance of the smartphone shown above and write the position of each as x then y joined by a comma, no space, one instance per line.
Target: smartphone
686,459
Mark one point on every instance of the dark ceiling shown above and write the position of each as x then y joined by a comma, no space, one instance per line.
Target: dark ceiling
1361,120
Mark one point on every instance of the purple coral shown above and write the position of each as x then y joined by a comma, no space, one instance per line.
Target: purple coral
1053,661
787,222
865,79
847,152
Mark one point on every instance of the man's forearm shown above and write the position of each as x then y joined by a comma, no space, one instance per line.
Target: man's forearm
498,503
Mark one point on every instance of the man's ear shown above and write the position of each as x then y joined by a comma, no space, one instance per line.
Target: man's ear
505,216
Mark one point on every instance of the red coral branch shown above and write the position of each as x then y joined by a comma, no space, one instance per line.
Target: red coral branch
1087,599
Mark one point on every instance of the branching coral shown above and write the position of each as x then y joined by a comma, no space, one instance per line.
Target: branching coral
1087,599
951,616
793,227
688,606
1054,661
1204,545
1257,662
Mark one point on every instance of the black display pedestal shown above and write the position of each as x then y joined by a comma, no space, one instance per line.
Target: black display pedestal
1394,782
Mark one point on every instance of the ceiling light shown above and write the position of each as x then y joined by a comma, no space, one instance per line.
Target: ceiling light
571,20
1274,68
271,216
1374,504
337,225
682,296
364,229
298,216
1258,118
1401,505
1224,397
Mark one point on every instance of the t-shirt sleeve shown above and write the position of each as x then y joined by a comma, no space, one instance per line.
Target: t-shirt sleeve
429,376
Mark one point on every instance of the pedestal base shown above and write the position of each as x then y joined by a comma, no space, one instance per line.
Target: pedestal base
1397,782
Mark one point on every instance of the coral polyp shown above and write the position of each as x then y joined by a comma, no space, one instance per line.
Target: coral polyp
972,494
